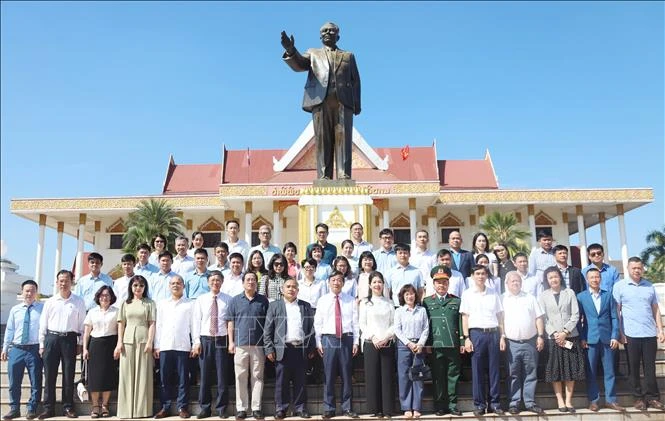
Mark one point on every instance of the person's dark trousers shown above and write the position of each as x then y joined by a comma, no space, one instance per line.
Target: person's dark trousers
290,369
379,378
214,356
337,353
174,369
446,368
333,130
643,350
314,373
522,360
59,349
485,360
19,358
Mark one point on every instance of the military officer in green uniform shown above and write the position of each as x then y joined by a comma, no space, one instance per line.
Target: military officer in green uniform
444,342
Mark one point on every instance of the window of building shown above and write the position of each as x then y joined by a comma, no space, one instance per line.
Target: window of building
211,239
115,241
212,232
447,224
402,229
116,232
544,222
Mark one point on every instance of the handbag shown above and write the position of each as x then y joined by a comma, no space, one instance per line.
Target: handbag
419,372
81,388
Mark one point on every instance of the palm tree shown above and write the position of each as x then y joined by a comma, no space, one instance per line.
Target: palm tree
503,228
151,218
654,256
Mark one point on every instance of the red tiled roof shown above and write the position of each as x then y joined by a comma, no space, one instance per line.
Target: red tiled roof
466,174
192,178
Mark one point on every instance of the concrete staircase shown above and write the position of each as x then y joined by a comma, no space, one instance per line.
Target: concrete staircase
545,398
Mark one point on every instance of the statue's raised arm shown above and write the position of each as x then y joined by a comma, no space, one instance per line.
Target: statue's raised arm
288,43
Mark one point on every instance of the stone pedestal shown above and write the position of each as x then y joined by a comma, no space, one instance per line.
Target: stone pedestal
10,287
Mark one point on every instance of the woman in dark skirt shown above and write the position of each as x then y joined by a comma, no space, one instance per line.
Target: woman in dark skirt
99,341
565,362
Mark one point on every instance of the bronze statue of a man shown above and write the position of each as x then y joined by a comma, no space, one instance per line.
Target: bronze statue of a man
332,95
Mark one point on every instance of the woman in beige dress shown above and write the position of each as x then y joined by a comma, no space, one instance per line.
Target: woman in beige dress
136,331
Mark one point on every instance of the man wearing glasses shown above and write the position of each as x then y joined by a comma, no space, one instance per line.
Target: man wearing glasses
608,274
268,250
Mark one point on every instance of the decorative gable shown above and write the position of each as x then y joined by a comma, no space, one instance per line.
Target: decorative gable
543,219
450,220
400,221
256,223
211,225
118,227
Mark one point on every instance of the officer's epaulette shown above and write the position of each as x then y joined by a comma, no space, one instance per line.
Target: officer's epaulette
453,295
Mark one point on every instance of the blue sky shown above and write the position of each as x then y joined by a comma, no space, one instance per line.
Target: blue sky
95,96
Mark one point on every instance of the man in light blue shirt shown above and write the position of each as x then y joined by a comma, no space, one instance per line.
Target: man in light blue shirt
542,257
143,266
641,327
159,282
88,285
404,274
267,250
196,283
385,256
21,349
608,274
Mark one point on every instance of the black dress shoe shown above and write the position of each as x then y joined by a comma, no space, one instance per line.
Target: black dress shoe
11,415
204,414
183,413
456,412
46,414
258,415
498,411
328,414
441,413
478,412
280,415
31,415
69,413
241,415
571,410
513,410
563,409
351,414
302,414
536,409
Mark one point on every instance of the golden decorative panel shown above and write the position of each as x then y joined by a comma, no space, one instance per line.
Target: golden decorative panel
337,220
129,203
231,191
400,221
544,219
335,191
417,188
450,220
117,227
259,221
211,225
547,196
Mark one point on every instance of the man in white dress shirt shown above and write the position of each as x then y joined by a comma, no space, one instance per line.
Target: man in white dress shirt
183,263
232,285
60,330
173,347
210,342
236,245
422,257
525,337
456,283
337,334
530,284
121,285
359,245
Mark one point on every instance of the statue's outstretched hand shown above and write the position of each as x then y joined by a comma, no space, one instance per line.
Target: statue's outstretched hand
288,43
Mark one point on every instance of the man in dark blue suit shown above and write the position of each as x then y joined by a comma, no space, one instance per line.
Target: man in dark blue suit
288,340
462,259
599,334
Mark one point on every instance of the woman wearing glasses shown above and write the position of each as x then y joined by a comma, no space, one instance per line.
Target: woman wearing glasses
99,340
271,283
136,331
158,246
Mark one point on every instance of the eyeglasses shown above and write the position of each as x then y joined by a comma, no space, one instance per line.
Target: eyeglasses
308,268
278,264
138,286
104,295
159,241
595,253
264,233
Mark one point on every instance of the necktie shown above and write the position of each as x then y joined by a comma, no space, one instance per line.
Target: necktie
213,316
338,317
25,336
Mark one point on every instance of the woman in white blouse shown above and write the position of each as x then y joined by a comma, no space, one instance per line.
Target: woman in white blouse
411,330
376,316
99,340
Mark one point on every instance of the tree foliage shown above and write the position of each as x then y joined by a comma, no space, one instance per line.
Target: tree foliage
504,228
654,256
152,217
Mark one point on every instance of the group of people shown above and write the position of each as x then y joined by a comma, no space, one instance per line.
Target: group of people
405,309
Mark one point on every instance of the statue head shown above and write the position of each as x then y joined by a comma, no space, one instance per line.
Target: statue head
329,34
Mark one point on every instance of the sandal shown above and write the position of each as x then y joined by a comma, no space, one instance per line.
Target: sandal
416,414
105,411
408,415
95,412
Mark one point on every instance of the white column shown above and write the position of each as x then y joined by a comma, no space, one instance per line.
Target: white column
622,238
603,236
386,214
40,248
248,222
276,224
532,224
79,248
58,250
581,230
95,239
412,220
432,228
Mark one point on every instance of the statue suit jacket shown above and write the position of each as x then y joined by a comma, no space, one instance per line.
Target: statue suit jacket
315,61
274,332
598,327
